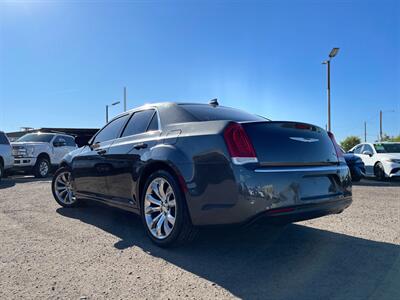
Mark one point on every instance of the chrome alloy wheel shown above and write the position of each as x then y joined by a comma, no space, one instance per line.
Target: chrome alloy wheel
160,208
63,188
43,168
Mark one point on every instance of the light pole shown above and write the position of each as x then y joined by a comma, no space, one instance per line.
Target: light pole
112,104
381,121
327,62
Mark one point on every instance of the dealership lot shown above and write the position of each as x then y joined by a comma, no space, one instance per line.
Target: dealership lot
99,252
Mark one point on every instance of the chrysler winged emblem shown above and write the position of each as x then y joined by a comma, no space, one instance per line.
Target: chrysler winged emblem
304,140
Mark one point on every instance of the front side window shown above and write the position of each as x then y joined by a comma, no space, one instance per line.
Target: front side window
139,122
59,141
36,137
111,131
357,149
368,148
387,148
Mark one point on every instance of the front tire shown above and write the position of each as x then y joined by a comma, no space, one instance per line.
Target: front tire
164,212
61,186
379,171
42,168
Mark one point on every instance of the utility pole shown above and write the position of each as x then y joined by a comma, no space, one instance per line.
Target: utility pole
327,62
329,94
380,126
124,98
108,105
365,132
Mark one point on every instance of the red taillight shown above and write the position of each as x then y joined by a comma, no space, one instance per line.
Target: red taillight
339,152
239,145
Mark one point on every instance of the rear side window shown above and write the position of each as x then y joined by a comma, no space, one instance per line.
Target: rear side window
3,139
112,130
139,122
70,142
211,113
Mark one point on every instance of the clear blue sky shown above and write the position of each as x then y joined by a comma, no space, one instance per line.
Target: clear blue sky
61,62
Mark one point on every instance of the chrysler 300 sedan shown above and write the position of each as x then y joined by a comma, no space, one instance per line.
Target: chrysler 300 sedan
183,165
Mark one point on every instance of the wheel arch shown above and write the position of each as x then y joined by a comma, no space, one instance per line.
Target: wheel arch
156,166
44,155
1,161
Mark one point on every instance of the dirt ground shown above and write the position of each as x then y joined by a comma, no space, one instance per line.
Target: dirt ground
97,252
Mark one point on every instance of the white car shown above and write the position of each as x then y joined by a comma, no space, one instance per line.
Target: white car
381,160
6,159
37,153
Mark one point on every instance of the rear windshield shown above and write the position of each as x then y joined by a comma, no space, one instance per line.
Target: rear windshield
3,139
36,137
211,113
387,148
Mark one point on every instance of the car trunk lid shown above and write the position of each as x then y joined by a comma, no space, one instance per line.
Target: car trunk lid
281,143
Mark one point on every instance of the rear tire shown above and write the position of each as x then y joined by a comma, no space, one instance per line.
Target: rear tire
61,186
42,168
167,202
379,171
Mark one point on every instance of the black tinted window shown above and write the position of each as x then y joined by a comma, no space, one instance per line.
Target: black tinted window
112,130
211,113
138,122
3,139
387,148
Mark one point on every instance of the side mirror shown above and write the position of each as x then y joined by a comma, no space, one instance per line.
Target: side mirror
366,152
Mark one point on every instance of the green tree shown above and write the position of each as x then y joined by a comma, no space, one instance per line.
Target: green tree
350,142
387,138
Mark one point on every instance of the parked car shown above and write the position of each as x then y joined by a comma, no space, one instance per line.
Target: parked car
355,164
38,153
381,160
6,159
181,166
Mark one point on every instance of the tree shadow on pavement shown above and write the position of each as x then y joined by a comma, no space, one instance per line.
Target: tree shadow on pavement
291,262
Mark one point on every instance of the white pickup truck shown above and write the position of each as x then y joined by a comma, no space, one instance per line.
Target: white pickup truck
37,153
6,159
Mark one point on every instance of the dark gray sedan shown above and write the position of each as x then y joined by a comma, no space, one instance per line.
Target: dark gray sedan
181,166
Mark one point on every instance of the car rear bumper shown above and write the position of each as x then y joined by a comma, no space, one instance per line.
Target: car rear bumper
245,194
303,212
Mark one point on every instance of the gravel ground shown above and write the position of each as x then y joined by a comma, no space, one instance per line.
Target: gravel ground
96,252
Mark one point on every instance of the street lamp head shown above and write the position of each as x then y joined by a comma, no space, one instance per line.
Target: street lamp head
334,52
115,103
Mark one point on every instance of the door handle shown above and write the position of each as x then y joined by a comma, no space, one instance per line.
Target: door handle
140,146
101,151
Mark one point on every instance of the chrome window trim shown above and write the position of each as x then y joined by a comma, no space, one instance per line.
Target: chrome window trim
302,169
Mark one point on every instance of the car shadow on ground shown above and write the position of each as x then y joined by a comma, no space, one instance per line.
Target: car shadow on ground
13,180
374,182
291,262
